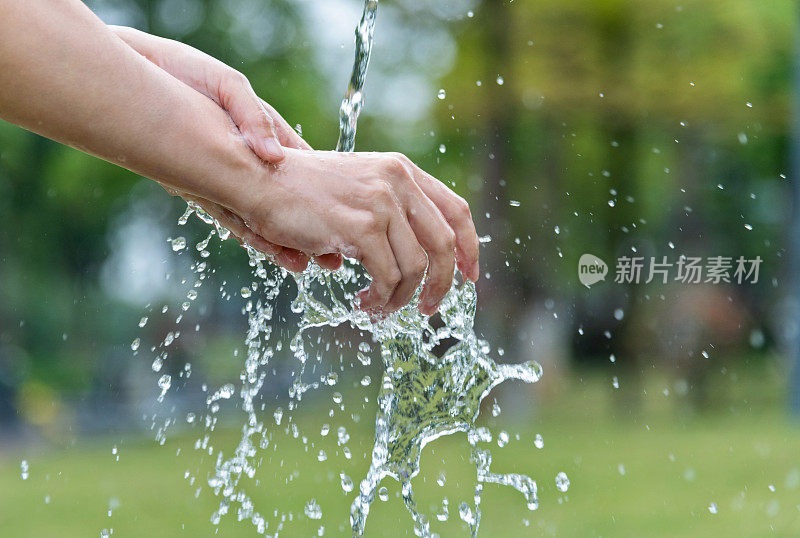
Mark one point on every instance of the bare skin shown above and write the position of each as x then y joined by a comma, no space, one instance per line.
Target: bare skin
179,117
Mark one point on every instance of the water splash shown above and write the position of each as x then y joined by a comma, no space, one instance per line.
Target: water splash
421,396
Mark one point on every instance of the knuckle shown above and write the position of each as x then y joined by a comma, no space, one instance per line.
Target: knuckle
266,121
370,224
381,192
447,242
397,165
393,278
462,208
236,78
419,266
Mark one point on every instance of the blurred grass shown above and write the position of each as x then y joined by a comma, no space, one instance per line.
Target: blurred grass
652,473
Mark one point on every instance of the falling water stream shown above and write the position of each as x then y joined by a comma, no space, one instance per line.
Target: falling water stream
422,395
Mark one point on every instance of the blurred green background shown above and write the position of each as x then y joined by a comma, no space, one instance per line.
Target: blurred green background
612,127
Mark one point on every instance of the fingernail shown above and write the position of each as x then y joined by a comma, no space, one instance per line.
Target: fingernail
273,149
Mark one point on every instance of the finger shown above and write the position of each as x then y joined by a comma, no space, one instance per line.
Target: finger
247,111
457,214
438,241
411,260
332,262
287,136
291,259
378,259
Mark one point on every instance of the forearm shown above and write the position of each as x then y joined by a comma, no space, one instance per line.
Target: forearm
67,76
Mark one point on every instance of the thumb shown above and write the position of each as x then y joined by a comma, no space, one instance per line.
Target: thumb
247,111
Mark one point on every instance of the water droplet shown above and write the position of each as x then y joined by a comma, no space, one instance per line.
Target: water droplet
442,94
619,314
538,441
246,292
347,483
712,508
136,343
466,514
615,382
502,439
562,482
143,321
313,510
444,512
164,382
383,494
342,435
442,148
278,415
366,380
322,456
23,469
500,80
179,243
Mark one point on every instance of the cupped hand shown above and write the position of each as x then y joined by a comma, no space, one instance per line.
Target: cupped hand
378,208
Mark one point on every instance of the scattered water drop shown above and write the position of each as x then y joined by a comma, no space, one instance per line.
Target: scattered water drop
23,469
538,442
179,243
313,510
442,148
164,382
383,494
442,94
441,480
502,439
562,482
347,483
712,507
136,343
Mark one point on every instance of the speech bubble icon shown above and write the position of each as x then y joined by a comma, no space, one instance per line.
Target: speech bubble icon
591,270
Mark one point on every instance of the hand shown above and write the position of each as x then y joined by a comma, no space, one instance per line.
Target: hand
377,208
265,131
